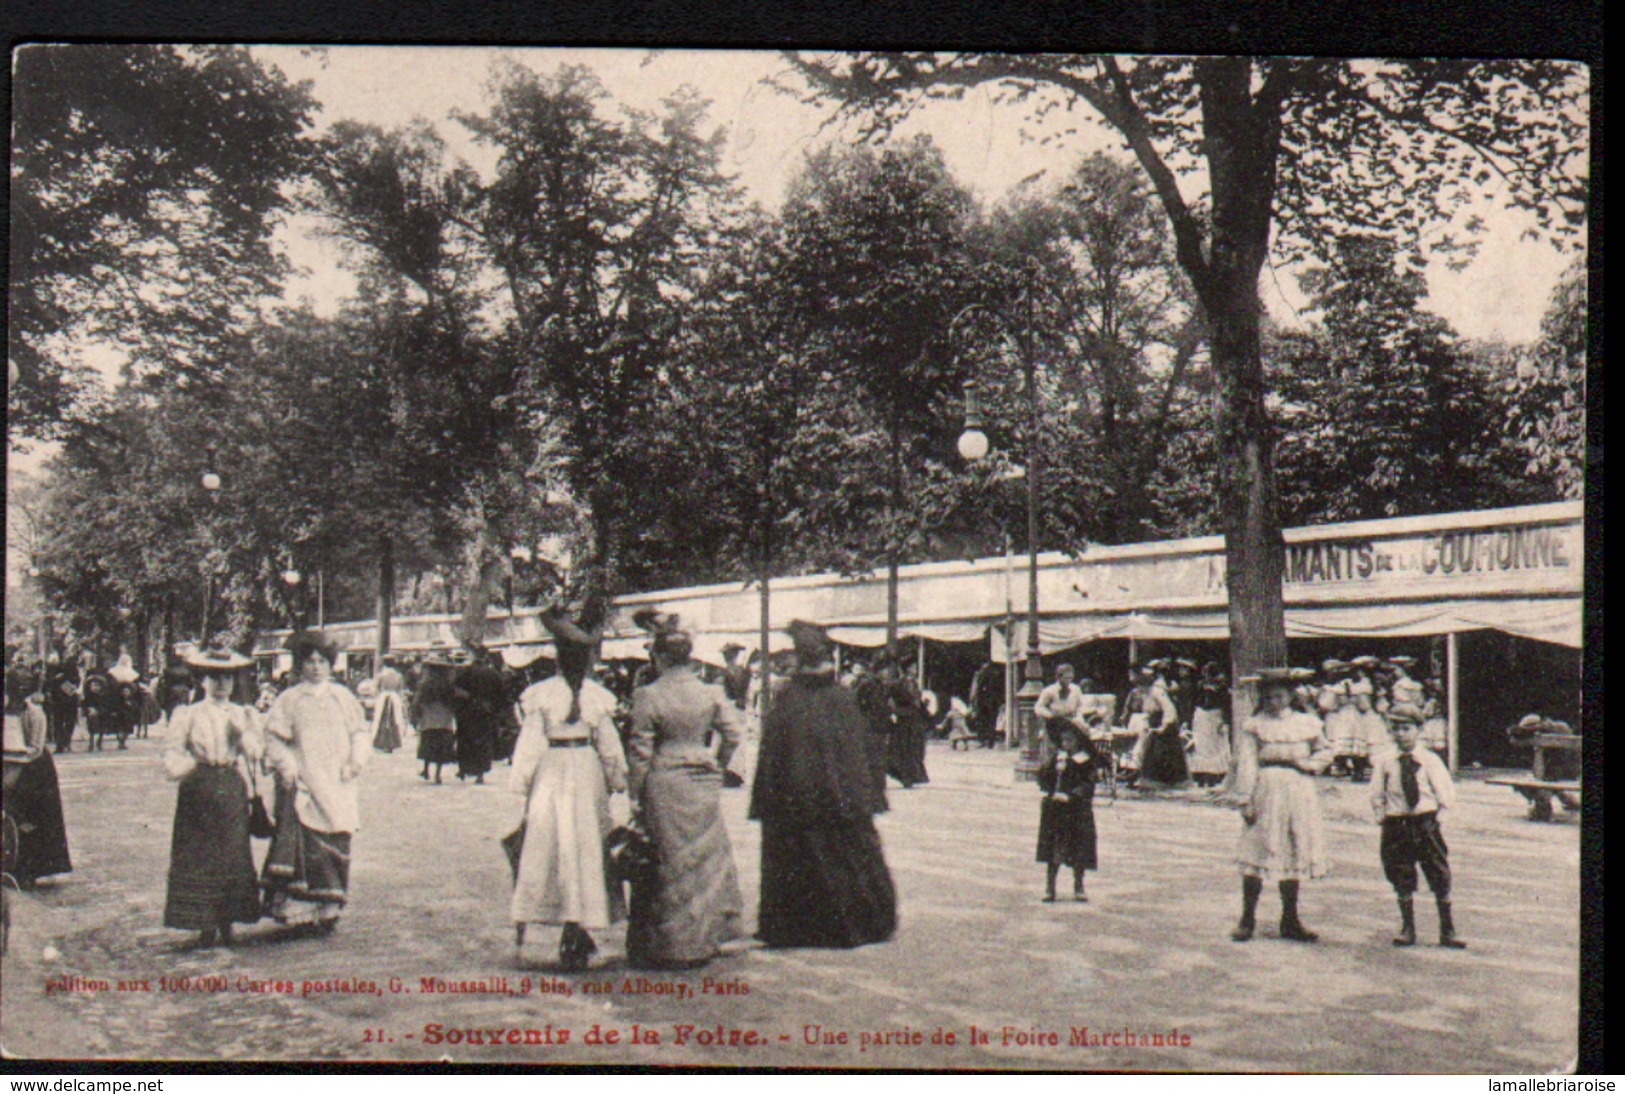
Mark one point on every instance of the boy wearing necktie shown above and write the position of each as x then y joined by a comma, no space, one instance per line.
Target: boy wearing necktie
1408,790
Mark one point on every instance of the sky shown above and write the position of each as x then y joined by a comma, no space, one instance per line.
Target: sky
1501,295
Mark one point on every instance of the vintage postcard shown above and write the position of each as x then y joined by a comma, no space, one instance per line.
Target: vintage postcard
758,559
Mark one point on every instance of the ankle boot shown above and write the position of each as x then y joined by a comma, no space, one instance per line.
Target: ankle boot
1292,929
1407,923
1447,929
1251,889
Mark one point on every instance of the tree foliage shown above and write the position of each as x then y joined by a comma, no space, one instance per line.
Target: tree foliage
145,182
1247,155
1548,409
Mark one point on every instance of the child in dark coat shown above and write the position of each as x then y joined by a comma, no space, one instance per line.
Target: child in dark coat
1066,824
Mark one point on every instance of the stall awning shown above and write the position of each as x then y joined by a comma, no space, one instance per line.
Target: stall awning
1555,620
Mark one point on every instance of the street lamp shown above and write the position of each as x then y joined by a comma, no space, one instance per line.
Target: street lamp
973,446
211,490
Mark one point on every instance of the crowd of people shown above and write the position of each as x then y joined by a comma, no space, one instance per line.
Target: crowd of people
621,772
621,816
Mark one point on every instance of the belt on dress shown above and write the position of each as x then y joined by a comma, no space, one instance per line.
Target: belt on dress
1293,764
569,742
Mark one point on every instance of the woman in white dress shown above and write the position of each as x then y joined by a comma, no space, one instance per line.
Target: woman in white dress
317,741
1278,753
567,761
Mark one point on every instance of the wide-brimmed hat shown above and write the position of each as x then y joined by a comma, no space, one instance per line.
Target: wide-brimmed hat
1404,660
732,647
1333,667
217,661
1285,677
301,644
1405,712
1366,661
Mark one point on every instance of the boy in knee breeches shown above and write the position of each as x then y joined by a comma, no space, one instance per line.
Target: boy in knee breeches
1408,791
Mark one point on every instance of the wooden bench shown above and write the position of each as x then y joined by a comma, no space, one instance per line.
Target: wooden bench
1540,790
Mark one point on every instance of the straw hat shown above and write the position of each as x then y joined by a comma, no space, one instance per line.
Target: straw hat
217,661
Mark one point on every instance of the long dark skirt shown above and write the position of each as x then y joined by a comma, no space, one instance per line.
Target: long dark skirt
437,746
1066,831
476,746
693,904
34,804
905,759
307,873
825,887
388,737
1165,759
211,862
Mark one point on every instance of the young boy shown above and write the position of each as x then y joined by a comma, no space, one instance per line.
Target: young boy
1408,789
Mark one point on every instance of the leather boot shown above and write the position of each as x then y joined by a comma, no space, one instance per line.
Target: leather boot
1447,929
1292,929
1251,889
1407,923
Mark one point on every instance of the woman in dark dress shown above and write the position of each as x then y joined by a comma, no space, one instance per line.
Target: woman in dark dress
906,757
432,715
824,877
32,796
1066,821
210,747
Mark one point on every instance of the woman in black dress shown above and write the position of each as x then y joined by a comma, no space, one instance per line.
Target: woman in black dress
32,795
1066,821
824,876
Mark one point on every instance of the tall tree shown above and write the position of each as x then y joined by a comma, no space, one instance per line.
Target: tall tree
1547,413
1293,152
597,228
1383,412
1121,334
145,182
875,261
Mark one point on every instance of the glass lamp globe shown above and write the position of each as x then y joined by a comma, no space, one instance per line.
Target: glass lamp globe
973,445
211,481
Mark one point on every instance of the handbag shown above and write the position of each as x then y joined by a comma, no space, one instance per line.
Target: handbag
513,845
260,824
630,851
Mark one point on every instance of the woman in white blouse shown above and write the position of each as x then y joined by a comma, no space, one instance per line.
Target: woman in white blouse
210,749
317,740
567,760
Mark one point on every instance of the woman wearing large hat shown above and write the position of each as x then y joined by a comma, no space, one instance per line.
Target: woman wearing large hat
33,796
211,748
317,740
433,717
824,876
567,761
1278,753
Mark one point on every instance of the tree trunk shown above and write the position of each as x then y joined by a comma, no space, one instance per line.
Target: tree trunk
476,576
894,506
386,597
1241,138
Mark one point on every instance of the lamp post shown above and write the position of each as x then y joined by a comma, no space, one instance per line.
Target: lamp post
973,446
291,578
211,489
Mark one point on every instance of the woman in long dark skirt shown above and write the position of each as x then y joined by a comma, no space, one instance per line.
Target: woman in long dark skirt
32,795
691,905
1066,820
209,748
432,715
824,877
